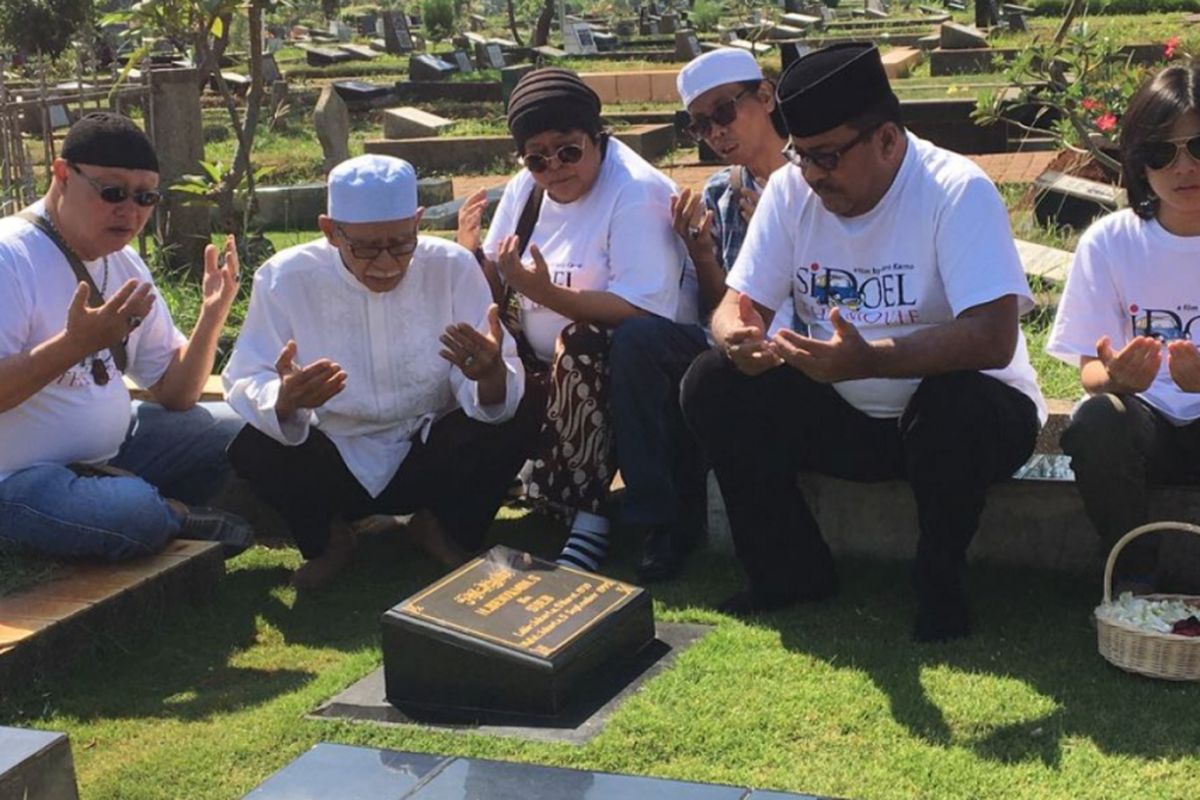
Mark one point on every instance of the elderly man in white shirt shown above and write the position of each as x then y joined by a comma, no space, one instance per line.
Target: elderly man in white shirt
376,378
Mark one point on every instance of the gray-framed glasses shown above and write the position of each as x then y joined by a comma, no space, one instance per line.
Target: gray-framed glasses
1162,153
829,160
368,252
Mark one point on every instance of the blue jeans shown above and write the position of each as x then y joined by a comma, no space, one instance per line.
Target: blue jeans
181,455
659,461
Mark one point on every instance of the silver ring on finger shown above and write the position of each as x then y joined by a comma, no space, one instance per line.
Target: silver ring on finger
468,361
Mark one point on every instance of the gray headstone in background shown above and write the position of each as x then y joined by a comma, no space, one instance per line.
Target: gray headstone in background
463,62
331,119
429,68
408,122
687,45
961,37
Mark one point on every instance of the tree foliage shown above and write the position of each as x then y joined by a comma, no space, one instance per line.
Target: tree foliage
42,26
439,18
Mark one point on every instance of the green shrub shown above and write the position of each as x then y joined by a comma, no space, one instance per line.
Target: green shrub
705,15
31,26
438,17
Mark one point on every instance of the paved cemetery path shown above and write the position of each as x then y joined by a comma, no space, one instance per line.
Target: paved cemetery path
1001,167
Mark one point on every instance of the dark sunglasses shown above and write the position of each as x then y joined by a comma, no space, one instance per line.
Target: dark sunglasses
567,154
1162,153
827,161
368,252
119,194
723,114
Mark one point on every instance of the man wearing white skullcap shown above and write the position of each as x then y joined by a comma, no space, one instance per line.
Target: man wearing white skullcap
732,108
376,378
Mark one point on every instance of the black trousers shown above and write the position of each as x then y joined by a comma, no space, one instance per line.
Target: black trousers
960,432
461,475
1119,447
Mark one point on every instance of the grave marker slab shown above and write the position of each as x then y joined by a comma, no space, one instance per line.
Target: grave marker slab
488,56
687,45
429,68
325,56
359,52
463,62
801,21
550,53
512,633
408,122
397,37
961,37
36,765
270,70
1076,202
360,91
331,119
577,39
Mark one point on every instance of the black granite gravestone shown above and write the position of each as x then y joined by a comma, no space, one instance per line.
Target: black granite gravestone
511,633
429,68
325,56
396,36
463,62
1071,201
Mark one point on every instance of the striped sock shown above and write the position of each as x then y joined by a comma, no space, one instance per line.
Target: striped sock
587,545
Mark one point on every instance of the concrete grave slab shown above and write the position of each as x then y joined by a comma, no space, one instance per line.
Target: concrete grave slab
409,122
1041,261
331,119
961,37
900,61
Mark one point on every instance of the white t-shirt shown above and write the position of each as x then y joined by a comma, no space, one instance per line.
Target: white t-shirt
387,342
936,244
616,238
71,419
1132,277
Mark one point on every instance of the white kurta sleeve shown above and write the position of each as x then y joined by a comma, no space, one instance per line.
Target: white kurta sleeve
470,303
251,382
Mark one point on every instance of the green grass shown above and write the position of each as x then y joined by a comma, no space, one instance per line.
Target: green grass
831,699
20,570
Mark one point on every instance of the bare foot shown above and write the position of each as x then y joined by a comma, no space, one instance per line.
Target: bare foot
428,534
319,572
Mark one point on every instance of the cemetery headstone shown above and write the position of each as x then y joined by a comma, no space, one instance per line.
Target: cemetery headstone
876,9
687,45
463,62
325,56
986,15
489,56
408,122
668,22
508,632
961,37
478,22
340,31
605,42
428,67
279,96
577,39
397,37
366,24
549,53
36,764
626,28
1072,201
1014,17
359,52
360,91
509,76
331,119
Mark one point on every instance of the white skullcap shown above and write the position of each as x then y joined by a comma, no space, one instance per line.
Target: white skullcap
372,188
715,68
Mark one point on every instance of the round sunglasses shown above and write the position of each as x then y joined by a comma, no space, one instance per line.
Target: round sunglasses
567,154
723,114
119,194
1163,153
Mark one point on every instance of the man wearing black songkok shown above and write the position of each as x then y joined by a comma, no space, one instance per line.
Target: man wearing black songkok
83,472
906,360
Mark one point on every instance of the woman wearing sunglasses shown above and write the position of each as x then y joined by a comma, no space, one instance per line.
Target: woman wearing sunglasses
1128,317
581,242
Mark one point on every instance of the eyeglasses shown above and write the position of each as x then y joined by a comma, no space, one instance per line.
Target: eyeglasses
369,252
119,194
1163,153
723,114
827,161
567,154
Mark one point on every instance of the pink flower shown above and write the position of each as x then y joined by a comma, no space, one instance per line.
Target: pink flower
1091,104
1106,122
1170,46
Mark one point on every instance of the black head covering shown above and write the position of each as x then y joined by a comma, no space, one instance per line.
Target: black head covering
104,139
831,86
551,99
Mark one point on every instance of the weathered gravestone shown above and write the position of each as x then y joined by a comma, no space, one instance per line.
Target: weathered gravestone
961,37
325,56
270,70
510,633
331,119
36,765
429,68
687,45
1072,201
489,56
412,123
397,39
463,62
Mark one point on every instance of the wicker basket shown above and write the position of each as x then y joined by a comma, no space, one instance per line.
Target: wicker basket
1157,655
